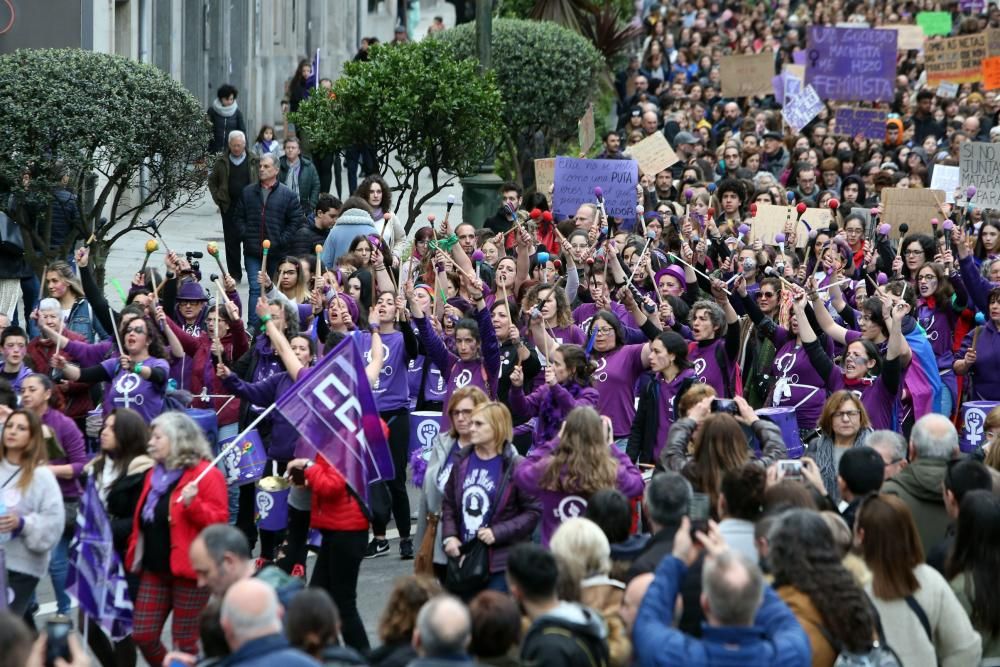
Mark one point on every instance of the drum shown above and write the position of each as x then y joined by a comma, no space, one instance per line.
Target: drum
784,418
272,503
424,428
244,463
209,423
974,424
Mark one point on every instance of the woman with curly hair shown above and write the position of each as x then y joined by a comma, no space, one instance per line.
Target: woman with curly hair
565,472
549,308
399,618
377,193
809,576
567,386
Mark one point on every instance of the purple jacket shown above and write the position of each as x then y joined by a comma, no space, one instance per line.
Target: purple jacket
283,435
513,519
71,440
550,405
558,506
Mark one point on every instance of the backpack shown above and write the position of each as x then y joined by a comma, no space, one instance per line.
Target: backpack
879,655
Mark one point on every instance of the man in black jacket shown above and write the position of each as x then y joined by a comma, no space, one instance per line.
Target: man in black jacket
317,227
266,211
665,502
562,634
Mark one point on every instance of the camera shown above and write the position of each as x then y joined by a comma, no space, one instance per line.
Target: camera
790,469
192,256
726,405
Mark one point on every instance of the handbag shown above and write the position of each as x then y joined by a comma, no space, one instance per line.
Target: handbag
11,241
470,572
424,561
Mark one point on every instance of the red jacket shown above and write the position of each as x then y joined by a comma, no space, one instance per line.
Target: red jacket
211,505
75,396
334,507
234,345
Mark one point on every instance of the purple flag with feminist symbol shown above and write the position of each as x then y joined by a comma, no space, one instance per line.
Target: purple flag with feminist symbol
333,410
96,577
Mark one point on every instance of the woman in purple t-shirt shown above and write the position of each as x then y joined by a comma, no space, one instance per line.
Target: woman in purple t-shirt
551,303
564,473
717,342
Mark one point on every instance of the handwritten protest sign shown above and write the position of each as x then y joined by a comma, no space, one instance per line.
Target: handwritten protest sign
979,165
934,23
653,154
959,59
576,178
869,123
852,63
586,130
915,207
771,220
947,90
991,73
802,108
793,77
545,171
746,76
947,179
908,37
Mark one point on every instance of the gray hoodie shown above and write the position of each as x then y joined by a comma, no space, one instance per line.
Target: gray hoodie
568,635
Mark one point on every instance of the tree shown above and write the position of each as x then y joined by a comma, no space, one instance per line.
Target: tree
548,75
71,115
418,107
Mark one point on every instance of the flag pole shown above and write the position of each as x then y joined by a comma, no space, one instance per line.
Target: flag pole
233,443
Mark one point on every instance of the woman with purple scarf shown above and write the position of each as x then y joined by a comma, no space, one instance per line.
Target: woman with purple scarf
174,507
567,386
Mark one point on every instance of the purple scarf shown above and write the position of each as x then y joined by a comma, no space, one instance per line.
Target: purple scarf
160,482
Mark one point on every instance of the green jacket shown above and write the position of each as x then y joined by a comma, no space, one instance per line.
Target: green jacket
308,182
919,486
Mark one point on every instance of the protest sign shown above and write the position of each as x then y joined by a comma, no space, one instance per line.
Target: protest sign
978,165
333,410
792,78
869,123
802,108
653,154
771,220
778,86
576,179
991,73
959,59
746,76
545,169
586,130
947,179
972,6
947,90
934,23
908,37
915,207
852,63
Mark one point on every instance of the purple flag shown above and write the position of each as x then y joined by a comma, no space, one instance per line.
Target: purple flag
312,81
333,409
96,577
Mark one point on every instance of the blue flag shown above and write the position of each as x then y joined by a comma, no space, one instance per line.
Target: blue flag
333,409
96,577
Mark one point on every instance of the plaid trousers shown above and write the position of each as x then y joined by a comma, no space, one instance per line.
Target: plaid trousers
160,593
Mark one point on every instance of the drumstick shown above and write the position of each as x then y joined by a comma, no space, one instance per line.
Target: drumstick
222,291
693,268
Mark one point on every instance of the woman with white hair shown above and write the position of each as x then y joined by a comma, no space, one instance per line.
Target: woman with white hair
62,285
74,397
173,508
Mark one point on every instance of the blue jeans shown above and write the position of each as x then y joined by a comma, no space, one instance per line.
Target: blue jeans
58,569
253,266
232,490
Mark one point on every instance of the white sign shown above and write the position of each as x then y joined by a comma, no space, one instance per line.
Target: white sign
948,179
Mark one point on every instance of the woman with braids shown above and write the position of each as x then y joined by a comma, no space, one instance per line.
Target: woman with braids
581,461
567,386
809,576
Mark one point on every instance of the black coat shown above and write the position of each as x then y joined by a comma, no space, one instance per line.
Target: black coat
123,496
279,220
222,126
305,242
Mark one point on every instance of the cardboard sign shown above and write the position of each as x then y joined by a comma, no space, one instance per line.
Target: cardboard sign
577,178
545,174
653,154
746,76
991,73
869,123
802,108
915,207
586,129
908,37
771,220
958,59
947,90
934,23
979,165
947,179
856,64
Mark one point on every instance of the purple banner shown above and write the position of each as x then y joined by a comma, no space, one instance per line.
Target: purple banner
576,180
869,123
973,6
852,63
333,410
96,577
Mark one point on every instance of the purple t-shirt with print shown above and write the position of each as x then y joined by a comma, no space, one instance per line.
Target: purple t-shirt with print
614,380
667,393
798,385
391,392
479,492
568,335
128,390
704,361
879,403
